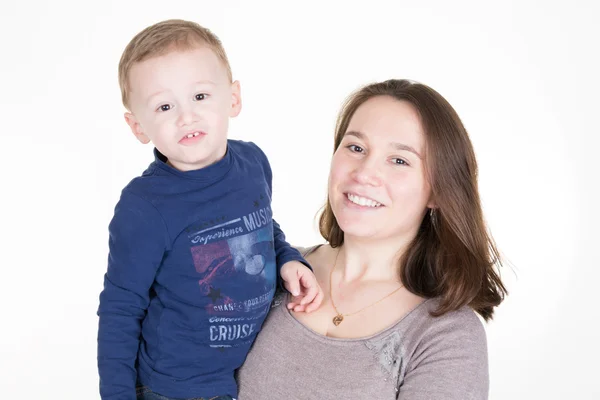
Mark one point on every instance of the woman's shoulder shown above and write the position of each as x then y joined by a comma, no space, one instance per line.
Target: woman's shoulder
422,336
464,318
460,325
306,251
430,351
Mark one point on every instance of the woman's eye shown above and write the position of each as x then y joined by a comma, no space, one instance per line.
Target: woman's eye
356,149
200,96
164,107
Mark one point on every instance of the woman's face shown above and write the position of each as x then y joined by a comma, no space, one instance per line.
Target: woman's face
377,183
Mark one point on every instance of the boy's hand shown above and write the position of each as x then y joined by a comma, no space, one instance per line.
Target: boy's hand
302,284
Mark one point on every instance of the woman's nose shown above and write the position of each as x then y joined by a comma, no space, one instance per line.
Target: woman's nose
366,173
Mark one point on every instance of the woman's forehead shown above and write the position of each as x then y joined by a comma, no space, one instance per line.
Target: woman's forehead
387,121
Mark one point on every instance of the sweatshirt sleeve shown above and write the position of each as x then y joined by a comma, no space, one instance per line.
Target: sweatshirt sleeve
451,361
137,243
283,250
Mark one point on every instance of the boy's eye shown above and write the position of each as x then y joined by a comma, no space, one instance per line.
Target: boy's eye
355,149
164,107
399,161
200,96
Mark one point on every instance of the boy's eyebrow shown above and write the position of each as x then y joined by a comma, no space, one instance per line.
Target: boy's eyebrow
396,145
156,94
207,82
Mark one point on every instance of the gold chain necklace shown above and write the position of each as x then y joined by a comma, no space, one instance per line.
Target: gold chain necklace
340,317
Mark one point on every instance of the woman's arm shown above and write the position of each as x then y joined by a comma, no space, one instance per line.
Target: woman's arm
450,361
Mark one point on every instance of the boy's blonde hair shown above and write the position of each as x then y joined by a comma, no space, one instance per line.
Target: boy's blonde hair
161,38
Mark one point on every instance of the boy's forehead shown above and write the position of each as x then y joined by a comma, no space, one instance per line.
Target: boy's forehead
179,63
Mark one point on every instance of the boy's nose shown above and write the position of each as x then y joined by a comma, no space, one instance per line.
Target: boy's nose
186,117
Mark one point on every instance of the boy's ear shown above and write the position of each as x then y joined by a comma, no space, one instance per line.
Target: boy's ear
236,99
136,128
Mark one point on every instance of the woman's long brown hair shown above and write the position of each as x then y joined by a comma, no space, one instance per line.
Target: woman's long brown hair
453,256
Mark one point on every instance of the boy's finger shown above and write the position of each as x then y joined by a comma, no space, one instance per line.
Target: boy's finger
294,301
316,302
299,308
310,295
295,305
292,304
294,287
308,280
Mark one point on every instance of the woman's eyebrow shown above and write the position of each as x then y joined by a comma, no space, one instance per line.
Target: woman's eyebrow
395,145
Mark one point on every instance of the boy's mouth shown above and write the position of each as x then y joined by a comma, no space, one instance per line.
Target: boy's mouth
192,137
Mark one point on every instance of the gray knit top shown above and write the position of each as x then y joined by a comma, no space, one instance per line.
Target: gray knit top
418,358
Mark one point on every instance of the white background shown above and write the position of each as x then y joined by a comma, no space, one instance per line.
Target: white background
523,76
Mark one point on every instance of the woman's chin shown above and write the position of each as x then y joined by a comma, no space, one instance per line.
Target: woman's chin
358,230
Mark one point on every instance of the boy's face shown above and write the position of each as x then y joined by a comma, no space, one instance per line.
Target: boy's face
182,102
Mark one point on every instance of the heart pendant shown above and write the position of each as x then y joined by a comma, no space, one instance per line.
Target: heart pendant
338,319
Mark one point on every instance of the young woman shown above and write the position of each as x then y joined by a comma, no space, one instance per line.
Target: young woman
407,265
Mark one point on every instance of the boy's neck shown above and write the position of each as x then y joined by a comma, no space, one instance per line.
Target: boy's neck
184,167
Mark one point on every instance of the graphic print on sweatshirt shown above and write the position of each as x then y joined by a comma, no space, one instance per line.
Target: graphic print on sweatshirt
236,262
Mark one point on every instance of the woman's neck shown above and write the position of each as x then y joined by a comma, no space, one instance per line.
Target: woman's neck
361,260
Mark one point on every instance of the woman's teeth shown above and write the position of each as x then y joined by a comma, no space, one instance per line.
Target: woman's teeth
361,201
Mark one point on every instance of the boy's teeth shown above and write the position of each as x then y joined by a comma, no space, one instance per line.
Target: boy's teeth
191,135
361,201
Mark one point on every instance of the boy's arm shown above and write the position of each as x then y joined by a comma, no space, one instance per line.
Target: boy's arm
137,244
292,276
284,252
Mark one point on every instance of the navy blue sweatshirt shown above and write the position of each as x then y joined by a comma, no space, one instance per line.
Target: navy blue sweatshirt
193,266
